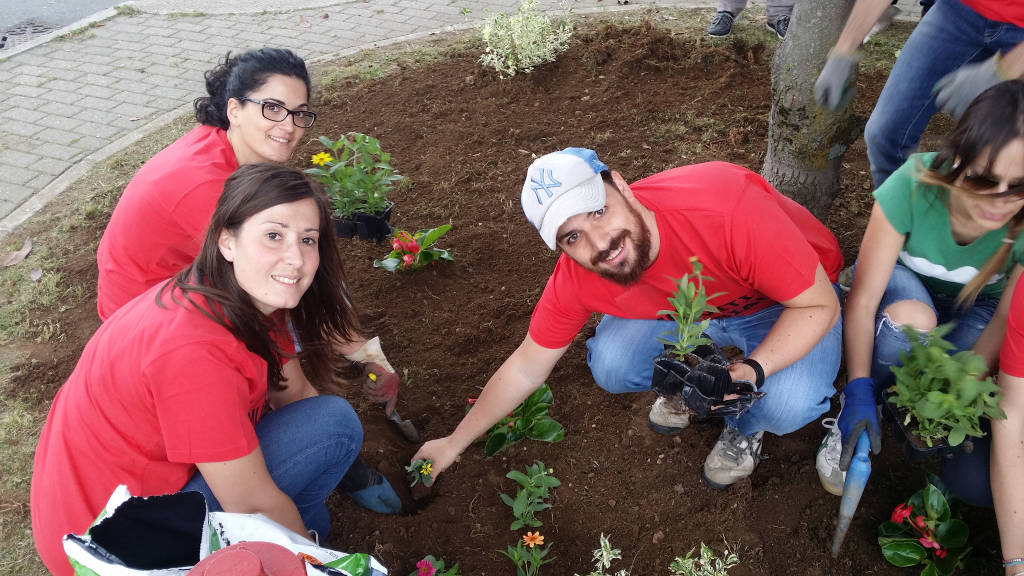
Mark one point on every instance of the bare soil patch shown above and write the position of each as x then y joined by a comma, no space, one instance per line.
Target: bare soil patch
645,100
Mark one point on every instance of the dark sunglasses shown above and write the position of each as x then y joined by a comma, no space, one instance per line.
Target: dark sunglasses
979,183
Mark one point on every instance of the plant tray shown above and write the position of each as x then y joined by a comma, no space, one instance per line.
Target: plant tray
917,449
375,227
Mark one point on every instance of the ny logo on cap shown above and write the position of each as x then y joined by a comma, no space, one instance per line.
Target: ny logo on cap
538,185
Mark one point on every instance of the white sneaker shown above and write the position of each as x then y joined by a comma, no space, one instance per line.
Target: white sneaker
827,461
733,458
669,416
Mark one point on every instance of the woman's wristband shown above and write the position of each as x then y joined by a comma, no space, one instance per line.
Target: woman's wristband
1013,562
759,374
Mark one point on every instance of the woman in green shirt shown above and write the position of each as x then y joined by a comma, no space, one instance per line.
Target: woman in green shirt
942,245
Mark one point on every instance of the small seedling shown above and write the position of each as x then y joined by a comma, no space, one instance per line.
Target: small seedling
531,495
420,471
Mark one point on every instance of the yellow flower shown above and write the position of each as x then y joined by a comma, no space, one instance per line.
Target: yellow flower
532,539
693,258
322,158
426,468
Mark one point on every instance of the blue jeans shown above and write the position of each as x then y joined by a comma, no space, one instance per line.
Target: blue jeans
966,475
889,337
308,446
948,37
621,357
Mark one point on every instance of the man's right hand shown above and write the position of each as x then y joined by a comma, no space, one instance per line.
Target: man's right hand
833,88
442,452
859,414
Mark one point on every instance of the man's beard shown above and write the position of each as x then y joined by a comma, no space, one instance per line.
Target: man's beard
623,275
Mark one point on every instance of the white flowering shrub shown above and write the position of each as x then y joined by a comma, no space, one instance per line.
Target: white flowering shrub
527,39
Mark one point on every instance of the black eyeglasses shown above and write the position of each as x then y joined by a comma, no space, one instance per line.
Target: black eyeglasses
275,112
978,183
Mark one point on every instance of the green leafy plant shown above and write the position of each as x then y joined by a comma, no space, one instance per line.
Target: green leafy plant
689,305
356,174
707,564
414,251
603,557
524,40
419,471
531,494
529,420
943,394
528,555
430,566
925,530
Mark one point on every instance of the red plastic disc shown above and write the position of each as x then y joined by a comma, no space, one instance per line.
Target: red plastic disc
251,559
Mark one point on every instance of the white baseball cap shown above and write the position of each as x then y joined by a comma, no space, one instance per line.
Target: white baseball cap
559,186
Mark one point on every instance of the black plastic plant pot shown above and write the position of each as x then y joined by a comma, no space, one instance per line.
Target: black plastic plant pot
375,227
917,450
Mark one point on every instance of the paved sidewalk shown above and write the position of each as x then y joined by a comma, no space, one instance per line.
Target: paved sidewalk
72,102
79,98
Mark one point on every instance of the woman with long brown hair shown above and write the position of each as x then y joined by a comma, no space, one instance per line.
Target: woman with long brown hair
169,394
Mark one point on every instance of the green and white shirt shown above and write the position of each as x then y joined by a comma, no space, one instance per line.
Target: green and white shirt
920,212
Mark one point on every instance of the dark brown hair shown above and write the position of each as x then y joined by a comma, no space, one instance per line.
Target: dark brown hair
994,119
324,313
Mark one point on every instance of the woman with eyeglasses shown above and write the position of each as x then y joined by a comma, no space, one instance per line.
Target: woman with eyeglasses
256,110
169,393
942,245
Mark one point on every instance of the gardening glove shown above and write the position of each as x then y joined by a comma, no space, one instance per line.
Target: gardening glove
381,384
956,90
704,390
859,414
370,489
834,87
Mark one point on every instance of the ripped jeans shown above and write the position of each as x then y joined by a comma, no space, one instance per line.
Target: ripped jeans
889,337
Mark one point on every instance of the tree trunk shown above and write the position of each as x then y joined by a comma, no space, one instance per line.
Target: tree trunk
806,143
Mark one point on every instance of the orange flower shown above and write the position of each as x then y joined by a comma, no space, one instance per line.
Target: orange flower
533,539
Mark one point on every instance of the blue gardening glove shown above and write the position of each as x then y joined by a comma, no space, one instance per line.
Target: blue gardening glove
834,87
370,489
956,90
858,414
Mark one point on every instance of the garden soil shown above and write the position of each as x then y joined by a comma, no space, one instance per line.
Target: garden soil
646,101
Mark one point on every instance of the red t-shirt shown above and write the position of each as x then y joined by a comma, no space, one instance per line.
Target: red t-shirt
155,391
1009,11
758,247
1011,355
159,223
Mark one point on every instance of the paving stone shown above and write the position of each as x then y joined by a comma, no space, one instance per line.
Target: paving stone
58,109
110,117
62,85
103,130
60,137
13,173
26,80
13,195
52,166
58,122
22,127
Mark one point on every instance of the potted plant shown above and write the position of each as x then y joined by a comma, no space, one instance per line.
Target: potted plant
938,399
357,176
689,345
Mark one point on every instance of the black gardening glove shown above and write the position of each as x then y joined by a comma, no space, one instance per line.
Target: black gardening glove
704,390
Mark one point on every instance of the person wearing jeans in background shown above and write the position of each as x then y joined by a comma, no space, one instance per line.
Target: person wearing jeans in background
771,266
943,244
960,48
776,19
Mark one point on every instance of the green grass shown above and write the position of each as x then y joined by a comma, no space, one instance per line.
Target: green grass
127,10
177,15
30,312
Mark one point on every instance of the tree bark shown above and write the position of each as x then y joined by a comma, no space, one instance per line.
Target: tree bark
806,143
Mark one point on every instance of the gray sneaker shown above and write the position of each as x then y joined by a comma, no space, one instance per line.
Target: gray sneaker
826,462
733,458
669,416
780,26
721,24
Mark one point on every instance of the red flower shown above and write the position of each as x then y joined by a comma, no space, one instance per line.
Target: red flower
901,513
396,244
424,568
929,543
407,260
470,401
919,521
413,247
940,553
